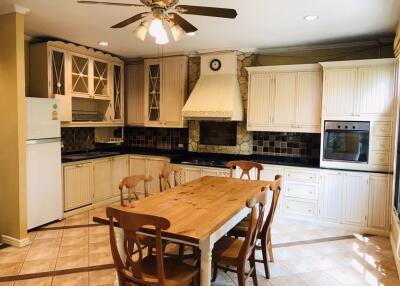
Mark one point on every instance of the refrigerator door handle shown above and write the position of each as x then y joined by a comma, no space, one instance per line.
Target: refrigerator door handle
43,141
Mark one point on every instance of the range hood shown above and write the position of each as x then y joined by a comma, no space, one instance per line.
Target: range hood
216,95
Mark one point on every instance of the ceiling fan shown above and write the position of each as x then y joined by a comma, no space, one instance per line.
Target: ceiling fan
166,13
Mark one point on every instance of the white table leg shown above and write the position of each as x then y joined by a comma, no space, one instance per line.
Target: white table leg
206,248
119,238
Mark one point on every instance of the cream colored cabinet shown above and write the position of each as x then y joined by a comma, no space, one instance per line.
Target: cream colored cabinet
119,170
355,198
379,198
88,84
137,166
134,87
285,98
165,91
154,166
359,88
191,173
102,182
330,201
194,172
78,185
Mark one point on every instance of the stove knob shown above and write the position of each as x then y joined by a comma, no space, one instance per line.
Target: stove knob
338,126
346,127
354,127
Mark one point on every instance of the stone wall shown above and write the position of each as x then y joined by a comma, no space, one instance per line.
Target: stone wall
244,138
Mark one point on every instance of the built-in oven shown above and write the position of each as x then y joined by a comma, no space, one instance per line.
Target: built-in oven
346,141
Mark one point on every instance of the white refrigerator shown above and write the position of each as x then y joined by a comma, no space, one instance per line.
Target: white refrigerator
43,155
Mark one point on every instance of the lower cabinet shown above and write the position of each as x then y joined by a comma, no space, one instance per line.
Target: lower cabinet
119,170
330,196
78,185
102,182
379,200
193,172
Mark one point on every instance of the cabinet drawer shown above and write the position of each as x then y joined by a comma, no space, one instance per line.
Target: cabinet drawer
382,143
382,129
300,175
299,207
381,158
304,191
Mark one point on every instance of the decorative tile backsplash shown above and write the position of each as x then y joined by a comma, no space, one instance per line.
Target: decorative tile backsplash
77,139
157,138
287,144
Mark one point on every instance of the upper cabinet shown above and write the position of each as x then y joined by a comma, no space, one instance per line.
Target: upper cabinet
285,98
359,88
89,84
156,92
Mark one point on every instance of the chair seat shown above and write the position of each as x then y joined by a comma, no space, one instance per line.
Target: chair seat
227,250
176,272
241,228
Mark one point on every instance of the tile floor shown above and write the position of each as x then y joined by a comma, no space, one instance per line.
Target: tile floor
346,260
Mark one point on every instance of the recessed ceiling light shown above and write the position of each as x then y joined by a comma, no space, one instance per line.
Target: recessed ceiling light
103,43
311,17
191,34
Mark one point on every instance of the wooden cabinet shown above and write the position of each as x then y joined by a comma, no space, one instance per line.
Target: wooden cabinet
119,170
137,166
379,198
88,84
359,88
165,92
194,172
355,198
78,185
134,83
285,98
102,182
330,201
191,173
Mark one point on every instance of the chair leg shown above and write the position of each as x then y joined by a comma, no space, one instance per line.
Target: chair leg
181,252
215,272
264,247
241,276
253,267
269,243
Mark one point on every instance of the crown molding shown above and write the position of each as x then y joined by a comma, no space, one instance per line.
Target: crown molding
14,8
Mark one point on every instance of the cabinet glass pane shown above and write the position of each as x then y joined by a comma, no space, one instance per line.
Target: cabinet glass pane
117,92
100,75
154,93
58,72
80,74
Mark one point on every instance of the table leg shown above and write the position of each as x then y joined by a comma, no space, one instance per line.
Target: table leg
206,248
119,238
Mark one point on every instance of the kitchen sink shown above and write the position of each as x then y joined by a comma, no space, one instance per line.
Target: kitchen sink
89,155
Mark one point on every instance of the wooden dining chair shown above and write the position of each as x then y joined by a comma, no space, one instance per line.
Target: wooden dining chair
264,236
130,183
170,176
231,254
246,167
141,269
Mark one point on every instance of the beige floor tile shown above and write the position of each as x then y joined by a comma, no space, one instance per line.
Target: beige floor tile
101,247
46,243
319,278
276,269
8,283
49,234
73,250
301,265
40,253
45,281
69,241
102,277
99,259
70,262
99,237
288,281
76,279
99,229
76,232
10,257
8,269
60,223
38,266
346,276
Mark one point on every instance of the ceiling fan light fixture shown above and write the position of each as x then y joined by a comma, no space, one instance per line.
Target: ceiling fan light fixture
191,34
162,38
141,30
156,27
177,32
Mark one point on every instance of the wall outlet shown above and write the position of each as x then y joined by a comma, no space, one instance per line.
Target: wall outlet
180,145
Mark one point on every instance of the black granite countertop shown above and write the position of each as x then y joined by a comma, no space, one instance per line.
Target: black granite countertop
190,158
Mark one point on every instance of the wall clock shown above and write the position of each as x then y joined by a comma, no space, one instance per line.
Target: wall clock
215,64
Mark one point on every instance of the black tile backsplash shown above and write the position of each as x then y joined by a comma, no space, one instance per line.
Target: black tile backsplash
286,144
156,138
77,139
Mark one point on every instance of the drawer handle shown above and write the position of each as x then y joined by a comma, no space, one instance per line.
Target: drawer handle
309,211
311,177
310,193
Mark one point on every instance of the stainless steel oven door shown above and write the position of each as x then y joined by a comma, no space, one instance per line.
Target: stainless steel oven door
346,141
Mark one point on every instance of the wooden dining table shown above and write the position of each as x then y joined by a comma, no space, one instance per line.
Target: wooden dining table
200,213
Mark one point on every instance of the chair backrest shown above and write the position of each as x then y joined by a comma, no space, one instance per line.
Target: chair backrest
256,219
246,166
168,174
275,187
130,184
130,223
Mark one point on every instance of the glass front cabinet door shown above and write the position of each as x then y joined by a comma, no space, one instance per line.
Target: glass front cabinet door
117,93
153,92
100,79
80,75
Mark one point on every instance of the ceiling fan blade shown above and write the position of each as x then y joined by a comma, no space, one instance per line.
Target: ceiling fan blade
111,3
207,11
185,25
130,20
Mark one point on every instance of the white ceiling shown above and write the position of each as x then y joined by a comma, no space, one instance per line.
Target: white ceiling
260,24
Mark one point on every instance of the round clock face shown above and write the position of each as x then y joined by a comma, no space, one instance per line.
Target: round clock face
215,64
